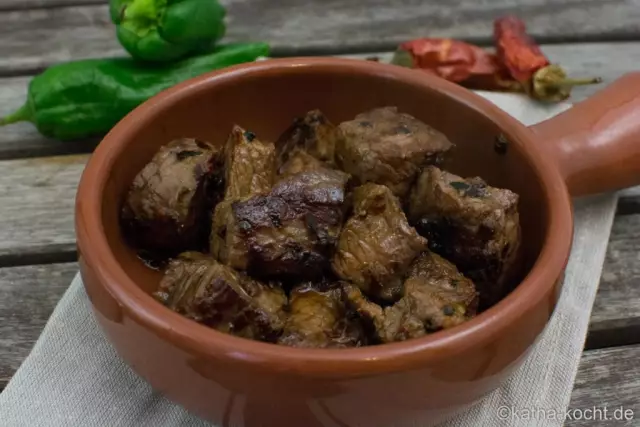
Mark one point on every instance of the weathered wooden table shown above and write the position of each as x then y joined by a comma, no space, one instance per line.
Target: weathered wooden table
38,177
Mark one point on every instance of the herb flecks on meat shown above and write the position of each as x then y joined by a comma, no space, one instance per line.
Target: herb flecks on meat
474,225
307,255
430,301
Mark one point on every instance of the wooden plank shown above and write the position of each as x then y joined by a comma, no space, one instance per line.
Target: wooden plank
35,38
36,212
607,379
28,295
608,60
7,5
615,319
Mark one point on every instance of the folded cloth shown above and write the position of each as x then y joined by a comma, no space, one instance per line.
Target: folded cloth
73,377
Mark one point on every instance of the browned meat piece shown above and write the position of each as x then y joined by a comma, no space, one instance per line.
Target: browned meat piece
318,318
167,209
298,162
291,232
443,297
313,133
250,169
436,296
377,244
249,165
389,148
473,225
200,288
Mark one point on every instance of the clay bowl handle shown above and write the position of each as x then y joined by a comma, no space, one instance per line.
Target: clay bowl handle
597,141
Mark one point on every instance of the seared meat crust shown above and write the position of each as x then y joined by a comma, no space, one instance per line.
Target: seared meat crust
291,232
250,169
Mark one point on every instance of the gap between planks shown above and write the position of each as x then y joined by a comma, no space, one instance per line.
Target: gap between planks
37,208
617,305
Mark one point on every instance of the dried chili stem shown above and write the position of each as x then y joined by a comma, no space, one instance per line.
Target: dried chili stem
576,82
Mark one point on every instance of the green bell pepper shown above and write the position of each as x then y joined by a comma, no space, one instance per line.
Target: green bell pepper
84,98
165,30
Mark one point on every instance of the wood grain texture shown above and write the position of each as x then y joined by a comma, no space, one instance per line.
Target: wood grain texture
28,295
37,201
608,60
35,38
616,313
608,378
8,5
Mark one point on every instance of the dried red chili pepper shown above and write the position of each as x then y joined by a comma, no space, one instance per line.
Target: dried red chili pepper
456,61
528,65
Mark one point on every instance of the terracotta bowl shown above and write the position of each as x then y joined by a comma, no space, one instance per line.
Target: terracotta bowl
232,381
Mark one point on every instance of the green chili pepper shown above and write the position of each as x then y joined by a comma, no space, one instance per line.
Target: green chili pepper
165,30
79,99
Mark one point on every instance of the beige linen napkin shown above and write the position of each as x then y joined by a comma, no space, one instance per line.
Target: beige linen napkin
73,377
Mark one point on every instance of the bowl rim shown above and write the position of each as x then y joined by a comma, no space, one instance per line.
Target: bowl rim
209,343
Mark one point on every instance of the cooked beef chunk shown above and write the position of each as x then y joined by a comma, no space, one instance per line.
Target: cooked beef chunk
473,225
200,288
318,318
442,295
298,162
249,164
250,169
167,209
291,232
436,296
313,134
377,244
389,148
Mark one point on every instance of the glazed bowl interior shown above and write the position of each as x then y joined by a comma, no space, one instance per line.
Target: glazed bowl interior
267,101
